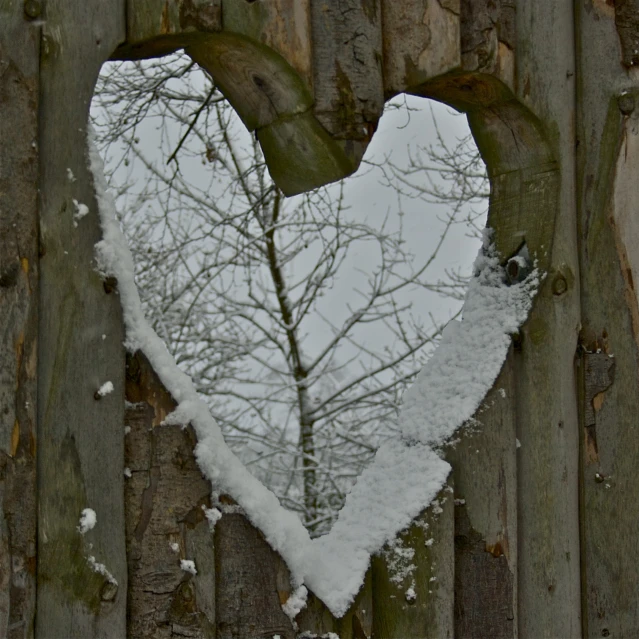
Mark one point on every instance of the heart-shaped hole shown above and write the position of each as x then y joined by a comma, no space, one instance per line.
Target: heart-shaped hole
234,278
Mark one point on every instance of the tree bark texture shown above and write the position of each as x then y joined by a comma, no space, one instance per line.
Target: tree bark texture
19,77
166,501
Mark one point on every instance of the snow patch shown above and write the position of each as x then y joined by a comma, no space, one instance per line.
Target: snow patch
188,565
295,603
88,520
105,389
80,211
213,515
102,569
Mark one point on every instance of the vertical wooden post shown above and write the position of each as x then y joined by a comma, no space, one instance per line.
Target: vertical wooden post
608,161
549,580
485,480
80,434
165,499
419,605
19,57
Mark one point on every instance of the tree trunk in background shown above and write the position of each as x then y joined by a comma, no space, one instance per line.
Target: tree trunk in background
543,534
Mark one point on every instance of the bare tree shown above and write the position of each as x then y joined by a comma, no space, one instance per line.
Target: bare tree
302,351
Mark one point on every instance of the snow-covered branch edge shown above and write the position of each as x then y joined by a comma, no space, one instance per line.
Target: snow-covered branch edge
406,474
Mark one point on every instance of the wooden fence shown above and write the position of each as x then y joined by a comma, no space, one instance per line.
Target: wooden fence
539,536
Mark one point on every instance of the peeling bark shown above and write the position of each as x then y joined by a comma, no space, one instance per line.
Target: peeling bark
19,54
165,498
627,23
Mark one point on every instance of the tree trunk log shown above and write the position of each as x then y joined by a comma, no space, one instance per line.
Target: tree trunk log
81,443
19,58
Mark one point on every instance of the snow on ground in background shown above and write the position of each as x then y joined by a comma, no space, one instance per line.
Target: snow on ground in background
406,474
88,520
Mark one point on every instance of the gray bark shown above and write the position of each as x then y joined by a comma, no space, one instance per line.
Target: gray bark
19,55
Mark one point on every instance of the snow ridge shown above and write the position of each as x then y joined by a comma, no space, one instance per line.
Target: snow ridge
406,474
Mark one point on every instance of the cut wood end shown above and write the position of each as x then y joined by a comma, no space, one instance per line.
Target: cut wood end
301,155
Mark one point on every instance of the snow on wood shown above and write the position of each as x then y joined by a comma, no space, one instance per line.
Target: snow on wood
88,520
406,474
188,565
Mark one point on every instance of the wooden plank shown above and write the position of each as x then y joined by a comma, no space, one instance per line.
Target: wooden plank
165,501
158,27
488,36
301,155
608,154
316,620
19,56
347,67
485,478
259,83
417,604
420,41
81,447
282,25
251,582
548,554
273,99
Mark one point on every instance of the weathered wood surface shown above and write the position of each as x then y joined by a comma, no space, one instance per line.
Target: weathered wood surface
608,154
282,25
19,57
158,27
485,479
417,604
488,36
347,69
316,620
547,491
81,443
165,501
251,581
313,80
420,41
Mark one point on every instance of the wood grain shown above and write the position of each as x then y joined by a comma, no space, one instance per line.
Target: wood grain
347,67
159,27
485,478
282,25
81,444
420,41
427,612
608,155
251,581
19,55
548,557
